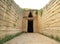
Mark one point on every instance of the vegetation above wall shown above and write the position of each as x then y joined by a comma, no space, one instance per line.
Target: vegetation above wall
26,8
40,12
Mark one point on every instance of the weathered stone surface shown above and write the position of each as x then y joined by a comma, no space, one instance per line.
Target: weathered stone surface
10,18
51,19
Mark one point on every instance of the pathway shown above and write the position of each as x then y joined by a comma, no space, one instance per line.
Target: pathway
32,38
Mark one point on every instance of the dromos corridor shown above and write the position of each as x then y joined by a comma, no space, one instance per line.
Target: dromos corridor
37,26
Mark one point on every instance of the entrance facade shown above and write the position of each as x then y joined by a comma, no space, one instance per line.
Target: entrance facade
30,21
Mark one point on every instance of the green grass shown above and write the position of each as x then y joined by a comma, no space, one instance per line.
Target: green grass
52,37
8,37
57,38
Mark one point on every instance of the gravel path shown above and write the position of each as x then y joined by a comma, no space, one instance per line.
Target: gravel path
32,38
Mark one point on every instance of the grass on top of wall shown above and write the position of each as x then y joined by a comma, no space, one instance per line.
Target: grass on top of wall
8,37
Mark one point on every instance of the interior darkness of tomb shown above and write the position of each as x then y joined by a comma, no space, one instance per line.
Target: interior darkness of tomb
30,23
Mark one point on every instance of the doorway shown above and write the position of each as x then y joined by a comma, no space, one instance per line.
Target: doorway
30,23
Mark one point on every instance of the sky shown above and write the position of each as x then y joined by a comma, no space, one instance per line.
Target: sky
32,4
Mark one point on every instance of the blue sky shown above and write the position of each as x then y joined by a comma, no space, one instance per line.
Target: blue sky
33,4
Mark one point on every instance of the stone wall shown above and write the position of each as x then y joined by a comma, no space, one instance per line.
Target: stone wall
40,22
51,18
10,17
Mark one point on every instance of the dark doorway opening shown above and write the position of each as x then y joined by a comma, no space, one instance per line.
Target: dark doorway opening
30,25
